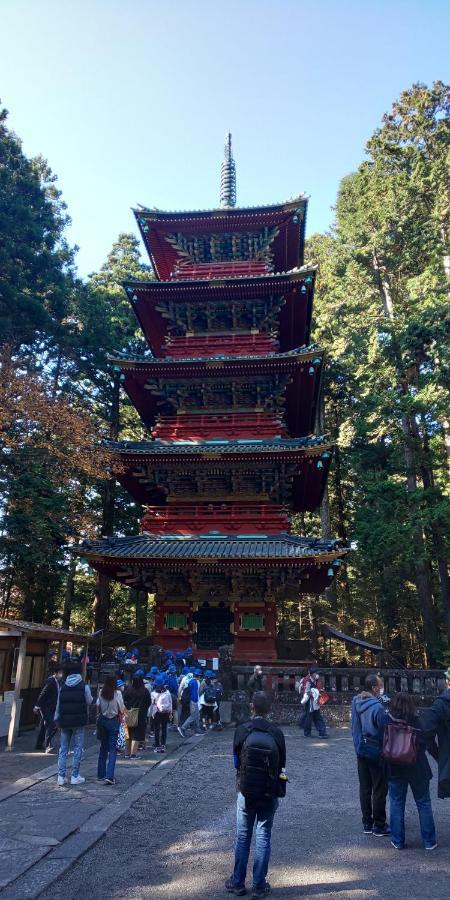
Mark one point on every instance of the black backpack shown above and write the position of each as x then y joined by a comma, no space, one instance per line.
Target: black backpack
259,767
210,694
185,698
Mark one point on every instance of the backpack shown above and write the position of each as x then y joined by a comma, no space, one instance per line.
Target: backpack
400,743
259,767
185,698
209,695
164,702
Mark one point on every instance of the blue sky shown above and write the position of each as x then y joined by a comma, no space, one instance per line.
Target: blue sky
129,101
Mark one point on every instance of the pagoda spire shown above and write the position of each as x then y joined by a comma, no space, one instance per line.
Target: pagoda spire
228,176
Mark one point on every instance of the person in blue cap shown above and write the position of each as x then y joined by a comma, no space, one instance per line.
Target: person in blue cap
161,710
193,719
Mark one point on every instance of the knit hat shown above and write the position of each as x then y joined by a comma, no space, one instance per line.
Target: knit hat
139,672
120,683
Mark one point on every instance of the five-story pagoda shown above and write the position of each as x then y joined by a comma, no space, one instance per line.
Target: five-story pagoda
229,394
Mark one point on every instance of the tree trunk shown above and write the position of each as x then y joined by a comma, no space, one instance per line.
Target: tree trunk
141,601
69,594
102,601
438,543
420,568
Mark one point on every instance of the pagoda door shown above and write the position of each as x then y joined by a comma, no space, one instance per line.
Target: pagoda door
213,625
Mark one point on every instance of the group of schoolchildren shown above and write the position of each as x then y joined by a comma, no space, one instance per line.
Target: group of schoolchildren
186,698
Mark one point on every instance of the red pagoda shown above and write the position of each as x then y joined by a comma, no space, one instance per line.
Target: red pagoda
229,392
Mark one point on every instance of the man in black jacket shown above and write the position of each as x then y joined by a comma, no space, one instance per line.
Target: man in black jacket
45,707
259,752
436,721
255,682
71,716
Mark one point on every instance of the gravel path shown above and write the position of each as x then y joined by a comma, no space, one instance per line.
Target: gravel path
176,842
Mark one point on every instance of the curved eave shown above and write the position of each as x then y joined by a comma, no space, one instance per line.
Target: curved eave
226,365
156,225
295,290
176,455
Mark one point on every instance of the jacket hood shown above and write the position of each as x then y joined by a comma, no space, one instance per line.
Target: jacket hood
72,680
365,700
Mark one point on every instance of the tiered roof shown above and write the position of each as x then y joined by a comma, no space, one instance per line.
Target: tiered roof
230,391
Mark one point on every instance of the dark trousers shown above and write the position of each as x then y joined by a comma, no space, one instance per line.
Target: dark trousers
372,792
160,722
47,730
314,716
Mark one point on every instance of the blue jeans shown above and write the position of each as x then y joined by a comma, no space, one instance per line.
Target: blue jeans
108,747
78,742
398,789
246,819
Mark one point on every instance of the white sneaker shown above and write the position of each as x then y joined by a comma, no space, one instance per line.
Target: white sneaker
61,781
77,779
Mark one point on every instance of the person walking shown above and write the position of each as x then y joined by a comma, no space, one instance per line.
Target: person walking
436,721
368,721
71,716
416,775
255,682
137,701
184,700
259,752
194,711
311,703
161,710
207,701
110,711
45,707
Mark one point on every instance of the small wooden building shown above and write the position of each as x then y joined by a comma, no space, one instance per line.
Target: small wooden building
24,661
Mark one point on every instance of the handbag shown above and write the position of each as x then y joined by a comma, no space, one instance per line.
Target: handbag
132,717
400,742
323,698
120,743
99,727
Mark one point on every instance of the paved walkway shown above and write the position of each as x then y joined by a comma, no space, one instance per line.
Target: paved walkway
175,841
43,828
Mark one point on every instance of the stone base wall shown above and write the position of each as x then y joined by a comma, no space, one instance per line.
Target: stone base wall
286,708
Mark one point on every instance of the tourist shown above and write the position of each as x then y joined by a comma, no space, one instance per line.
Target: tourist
306,681
184,700
71,717
194,711
161,710
313,714
219,697
45,707
258,790
416,775
172,684
368,721
137,701
111,709
436,721
208,701
255,682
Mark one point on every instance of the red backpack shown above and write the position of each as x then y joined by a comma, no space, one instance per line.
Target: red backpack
400,742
